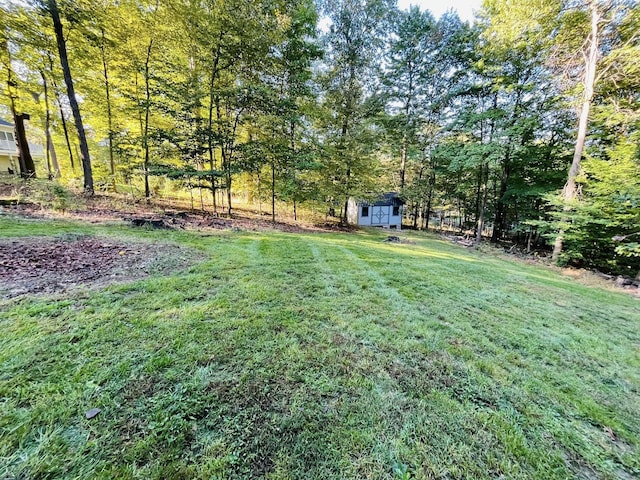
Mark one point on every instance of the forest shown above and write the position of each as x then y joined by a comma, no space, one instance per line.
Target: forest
522,128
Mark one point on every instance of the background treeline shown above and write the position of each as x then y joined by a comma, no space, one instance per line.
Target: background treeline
299,103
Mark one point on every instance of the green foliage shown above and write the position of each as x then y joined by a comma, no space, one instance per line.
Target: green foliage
317,101
603,227
52,195
401,471
356,38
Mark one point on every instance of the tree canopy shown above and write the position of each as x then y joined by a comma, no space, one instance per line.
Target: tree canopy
518,128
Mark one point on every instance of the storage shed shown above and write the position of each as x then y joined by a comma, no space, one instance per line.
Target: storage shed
385,212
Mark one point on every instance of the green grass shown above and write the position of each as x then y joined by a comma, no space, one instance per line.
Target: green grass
321,356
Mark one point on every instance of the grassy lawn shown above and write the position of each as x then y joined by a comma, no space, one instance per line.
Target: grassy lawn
289,356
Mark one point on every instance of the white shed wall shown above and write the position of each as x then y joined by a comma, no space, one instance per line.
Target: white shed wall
364,221
353,211
354,215
389,219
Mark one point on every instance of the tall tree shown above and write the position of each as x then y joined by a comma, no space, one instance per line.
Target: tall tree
412,52
26,165
52,8
107,91
591,56
427,61
354,42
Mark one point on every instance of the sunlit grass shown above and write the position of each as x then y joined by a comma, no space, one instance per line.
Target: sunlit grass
321,356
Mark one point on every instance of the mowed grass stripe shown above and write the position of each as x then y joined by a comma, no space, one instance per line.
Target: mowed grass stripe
581,351
378,286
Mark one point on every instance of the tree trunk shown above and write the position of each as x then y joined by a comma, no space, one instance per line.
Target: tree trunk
273,190
483,177
229,190
47,123
570,190
416,204
403,161
343,217
212,165
27,167
210,147
226,149
75,109
258,188
62,117
405,140
478,196
427,212
348,111
483,202
500,218
147,106
432,186
499,223
105,71
67,140
292,144
52,159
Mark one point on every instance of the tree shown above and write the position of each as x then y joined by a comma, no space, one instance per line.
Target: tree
591,57
354,43
412,52
52,8
427,61
291,96
27,167
603,229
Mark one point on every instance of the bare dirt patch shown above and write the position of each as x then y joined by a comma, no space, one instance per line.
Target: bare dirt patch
56,264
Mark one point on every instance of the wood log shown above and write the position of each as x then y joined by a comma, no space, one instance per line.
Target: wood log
149,222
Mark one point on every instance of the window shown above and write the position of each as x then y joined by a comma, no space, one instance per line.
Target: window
396,211
365,212
10,136
2,136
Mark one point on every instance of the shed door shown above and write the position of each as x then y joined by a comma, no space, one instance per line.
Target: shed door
380,215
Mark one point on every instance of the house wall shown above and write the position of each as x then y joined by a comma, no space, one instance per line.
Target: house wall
5,164
7,140
9,150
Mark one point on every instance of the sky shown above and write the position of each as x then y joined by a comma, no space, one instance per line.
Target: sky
465,8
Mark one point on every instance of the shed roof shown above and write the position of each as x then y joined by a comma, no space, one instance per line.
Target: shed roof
389,198
4,123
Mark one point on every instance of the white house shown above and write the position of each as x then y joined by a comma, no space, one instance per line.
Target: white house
9,161
385,212
8,149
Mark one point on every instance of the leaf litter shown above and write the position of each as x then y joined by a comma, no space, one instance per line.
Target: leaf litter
31,265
